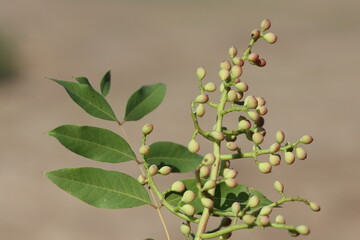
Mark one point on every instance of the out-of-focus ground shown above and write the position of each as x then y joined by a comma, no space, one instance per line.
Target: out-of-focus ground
311,85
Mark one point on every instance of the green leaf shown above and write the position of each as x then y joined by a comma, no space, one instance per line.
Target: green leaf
95,143
105,83
101,188
174,155
83,80
144,101
88,99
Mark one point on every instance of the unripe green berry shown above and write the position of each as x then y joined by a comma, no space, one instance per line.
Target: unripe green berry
188,196
204,172
231,183
261,130
238,61
248,219
210,87
232,52
289,158
257,138
165,170
221,88
293,233
270,38
260,122
218,136
253,115
185,229
153,170
265,24
200,73
230,138
265,211
255,34
274,159
280,136
236,71
303,230
243,87
227,163
261,101
142,179
265,167
249,134
224,74
280,219
193,146
239,95
306,139
235,208
262,110
208,159
225,65
229,173
147,129
202,98
253,57
178,186
254,201
225,222
200,110
244,124
314,206
275,147
279,186
225,236
144,150
232,146
207,202
250,102
264,220
209,185
300,153
188,209
231,96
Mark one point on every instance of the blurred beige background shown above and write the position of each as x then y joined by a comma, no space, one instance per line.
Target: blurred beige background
310,83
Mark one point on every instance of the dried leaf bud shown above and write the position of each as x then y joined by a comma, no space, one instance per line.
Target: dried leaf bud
257,138
153,169
209,185
235,208
274,159
225,222
200,110
253,115
144,150
280,136
218,136
303,230
200,73
244,124
248,219
178,186
147,129
232,146
274,147
231,96
224,74
262,110
289,158
265,24
232,52
210,87
225,65
188,209
188,196
261,101
165,170
264,220
261,62
250,102
238,61
279,186
185,229
231,183
280,219
229,173
204,172
306,139
254,201
243,87
193,146
202,98
142,179
255,34
253,57
236,71
270,38
209,159
227,163
207,202
314,206
300,153
265,167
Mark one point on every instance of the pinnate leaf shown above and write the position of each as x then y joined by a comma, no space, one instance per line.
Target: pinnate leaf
95,143
174,155
144,101
105,83
101,188
88,99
